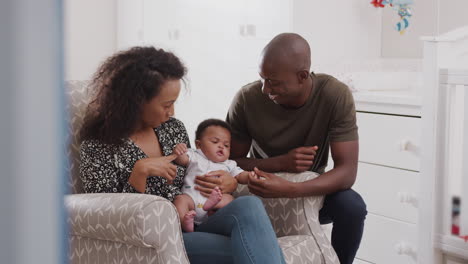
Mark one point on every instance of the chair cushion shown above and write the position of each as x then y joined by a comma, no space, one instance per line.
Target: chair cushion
296,223
77,99
300,249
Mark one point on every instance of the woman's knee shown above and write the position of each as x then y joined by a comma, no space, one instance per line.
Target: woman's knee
248,202
251,215
208,248
248,206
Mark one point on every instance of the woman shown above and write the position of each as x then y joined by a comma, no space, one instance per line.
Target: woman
128,136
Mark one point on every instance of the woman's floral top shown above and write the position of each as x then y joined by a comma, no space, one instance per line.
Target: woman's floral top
106,168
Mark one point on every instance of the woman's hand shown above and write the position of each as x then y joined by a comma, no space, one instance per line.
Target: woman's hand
160,166
206,183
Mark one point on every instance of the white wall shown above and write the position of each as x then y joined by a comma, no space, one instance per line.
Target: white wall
430,18
338,32
347,36
90,36
452,14
211,38
423,22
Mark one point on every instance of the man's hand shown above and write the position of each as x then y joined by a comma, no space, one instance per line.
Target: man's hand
299,159
222,179
268,185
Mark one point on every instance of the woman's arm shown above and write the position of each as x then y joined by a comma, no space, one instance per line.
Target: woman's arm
100,169
103,171
138,177
160,166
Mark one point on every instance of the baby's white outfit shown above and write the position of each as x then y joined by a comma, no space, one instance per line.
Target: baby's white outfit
198,165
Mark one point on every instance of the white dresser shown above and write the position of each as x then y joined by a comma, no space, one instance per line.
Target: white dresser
389,180
411,167
388,175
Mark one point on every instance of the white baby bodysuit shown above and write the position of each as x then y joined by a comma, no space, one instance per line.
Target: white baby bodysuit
200,165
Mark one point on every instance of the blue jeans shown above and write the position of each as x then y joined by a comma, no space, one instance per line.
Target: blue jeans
241,232
347,211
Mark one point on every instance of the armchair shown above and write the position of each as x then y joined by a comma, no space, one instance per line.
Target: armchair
140,228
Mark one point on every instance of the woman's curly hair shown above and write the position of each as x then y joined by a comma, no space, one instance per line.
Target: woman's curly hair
123,83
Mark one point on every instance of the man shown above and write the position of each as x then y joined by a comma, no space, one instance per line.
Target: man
289,120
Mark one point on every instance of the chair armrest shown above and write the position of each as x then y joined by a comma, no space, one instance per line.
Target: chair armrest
138,219
295,216
291,216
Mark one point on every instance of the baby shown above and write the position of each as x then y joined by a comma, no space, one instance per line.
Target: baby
213,140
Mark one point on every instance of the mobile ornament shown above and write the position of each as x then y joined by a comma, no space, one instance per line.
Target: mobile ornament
403,8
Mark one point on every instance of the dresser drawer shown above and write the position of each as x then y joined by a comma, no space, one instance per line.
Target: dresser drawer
388,241
389,140
388,191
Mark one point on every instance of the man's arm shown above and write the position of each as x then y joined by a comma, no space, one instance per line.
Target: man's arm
297,160
239,151
341,177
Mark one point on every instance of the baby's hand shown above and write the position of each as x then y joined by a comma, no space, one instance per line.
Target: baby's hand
243,177
180,149
255,175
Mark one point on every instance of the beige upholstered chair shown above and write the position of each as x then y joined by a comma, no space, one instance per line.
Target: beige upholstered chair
140,228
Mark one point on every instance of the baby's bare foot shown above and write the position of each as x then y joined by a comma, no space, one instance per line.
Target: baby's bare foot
215,196
187,223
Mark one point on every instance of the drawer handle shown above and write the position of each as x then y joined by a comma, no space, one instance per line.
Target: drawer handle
404,248
407,145
408,198
404,145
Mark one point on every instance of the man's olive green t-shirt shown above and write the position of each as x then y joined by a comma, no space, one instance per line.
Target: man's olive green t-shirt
329,115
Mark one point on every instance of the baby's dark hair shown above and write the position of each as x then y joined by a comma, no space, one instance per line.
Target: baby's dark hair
210,122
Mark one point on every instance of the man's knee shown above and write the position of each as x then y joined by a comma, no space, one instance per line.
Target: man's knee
358,208
348,204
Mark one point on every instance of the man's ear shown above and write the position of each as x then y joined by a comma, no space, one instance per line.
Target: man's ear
197,143
302,76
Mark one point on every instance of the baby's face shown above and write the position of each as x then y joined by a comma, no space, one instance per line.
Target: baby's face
215,143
